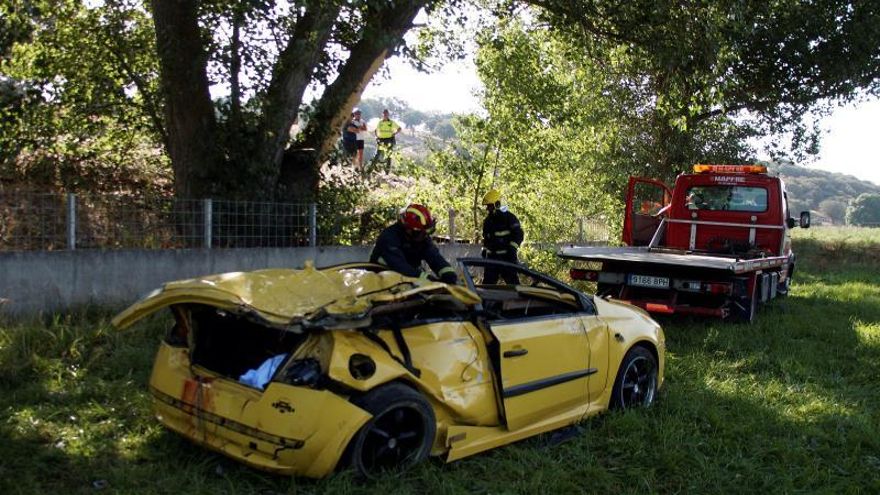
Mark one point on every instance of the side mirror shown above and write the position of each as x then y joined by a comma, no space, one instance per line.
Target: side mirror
805,220
791,223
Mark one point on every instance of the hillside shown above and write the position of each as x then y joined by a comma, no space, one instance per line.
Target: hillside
820,190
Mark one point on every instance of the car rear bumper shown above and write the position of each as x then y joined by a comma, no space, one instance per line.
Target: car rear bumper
285,429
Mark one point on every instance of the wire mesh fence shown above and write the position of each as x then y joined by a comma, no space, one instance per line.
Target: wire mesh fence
55,221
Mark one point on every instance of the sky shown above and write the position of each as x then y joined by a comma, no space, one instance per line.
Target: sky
850,145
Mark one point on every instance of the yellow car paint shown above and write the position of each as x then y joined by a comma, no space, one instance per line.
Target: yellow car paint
489,381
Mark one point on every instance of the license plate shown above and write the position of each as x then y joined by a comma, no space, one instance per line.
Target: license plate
649,281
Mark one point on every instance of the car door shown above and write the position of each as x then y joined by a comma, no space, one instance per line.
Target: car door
544,361
544,367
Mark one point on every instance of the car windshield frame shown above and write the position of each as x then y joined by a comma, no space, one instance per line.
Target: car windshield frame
585,300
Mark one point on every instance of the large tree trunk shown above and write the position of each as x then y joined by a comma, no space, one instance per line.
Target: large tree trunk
290,78
188,109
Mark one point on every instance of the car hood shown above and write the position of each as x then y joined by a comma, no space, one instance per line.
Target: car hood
333,297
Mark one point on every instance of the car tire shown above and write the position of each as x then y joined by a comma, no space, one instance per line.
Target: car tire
399,435
636,382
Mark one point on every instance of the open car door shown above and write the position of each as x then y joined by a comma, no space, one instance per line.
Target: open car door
645,202
542,349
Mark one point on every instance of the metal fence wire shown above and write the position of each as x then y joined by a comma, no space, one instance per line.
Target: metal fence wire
55,221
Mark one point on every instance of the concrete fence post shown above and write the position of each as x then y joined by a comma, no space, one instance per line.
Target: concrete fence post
313,225
580,230
452,225
208,217
71,221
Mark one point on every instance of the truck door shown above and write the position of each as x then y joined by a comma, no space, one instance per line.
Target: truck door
645,200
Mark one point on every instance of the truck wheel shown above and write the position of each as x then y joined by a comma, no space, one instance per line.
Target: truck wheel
400,434
636,382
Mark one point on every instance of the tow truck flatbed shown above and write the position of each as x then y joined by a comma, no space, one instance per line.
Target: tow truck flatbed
655,256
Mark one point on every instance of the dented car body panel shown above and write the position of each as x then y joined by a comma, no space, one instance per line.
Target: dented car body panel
495,364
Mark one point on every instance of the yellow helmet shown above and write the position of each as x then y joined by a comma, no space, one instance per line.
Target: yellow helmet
492,197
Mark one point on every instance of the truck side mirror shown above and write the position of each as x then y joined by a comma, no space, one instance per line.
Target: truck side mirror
805,220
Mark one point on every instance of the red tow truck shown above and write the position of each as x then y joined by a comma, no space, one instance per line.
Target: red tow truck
717,244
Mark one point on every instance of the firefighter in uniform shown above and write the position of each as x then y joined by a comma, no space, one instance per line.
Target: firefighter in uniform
386,131
403,246
502,236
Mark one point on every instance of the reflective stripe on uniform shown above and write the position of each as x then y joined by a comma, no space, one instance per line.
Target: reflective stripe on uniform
382,261
423,276
515,245
447,269
501,251
502,233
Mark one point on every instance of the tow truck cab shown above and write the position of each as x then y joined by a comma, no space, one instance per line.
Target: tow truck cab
718,243
718,209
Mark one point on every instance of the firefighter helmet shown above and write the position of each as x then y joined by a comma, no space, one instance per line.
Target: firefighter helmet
492,197
417,217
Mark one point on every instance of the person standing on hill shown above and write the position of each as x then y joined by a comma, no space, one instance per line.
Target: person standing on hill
502,236
349,137
360,135
386,131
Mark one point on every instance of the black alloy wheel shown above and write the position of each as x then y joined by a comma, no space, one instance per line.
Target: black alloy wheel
636,382
400,433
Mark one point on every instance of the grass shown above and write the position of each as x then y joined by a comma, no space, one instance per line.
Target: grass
789,404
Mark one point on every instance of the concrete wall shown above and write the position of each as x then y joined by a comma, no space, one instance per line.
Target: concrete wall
52,281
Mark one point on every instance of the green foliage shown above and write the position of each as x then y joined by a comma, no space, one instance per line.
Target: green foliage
777,61
84,115
864,210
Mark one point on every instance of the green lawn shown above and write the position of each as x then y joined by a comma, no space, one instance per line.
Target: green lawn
789,404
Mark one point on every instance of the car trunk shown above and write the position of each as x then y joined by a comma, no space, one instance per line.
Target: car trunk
230,344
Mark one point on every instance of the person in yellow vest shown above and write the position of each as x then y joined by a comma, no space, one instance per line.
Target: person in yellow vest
386,129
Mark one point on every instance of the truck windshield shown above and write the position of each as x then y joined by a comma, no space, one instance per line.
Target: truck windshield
728,198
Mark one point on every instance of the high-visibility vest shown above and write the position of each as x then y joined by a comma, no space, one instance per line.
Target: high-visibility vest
386,129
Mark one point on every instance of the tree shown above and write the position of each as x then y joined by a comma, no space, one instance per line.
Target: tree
864,210
770,63
835,208
338,44
79,98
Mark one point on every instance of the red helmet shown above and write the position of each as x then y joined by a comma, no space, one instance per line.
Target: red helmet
417,218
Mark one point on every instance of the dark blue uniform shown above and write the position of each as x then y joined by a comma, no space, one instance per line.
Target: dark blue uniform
404,255
502,235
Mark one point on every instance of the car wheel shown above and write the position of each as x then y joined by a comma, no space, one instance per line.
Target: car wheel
636,382
399,435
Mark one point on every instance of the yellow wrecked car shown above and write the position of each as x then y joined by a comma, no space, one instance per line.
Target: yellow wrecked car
301,371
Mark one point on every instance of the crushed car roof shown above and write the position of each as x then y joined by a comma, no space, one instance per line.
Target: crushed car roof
285,297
